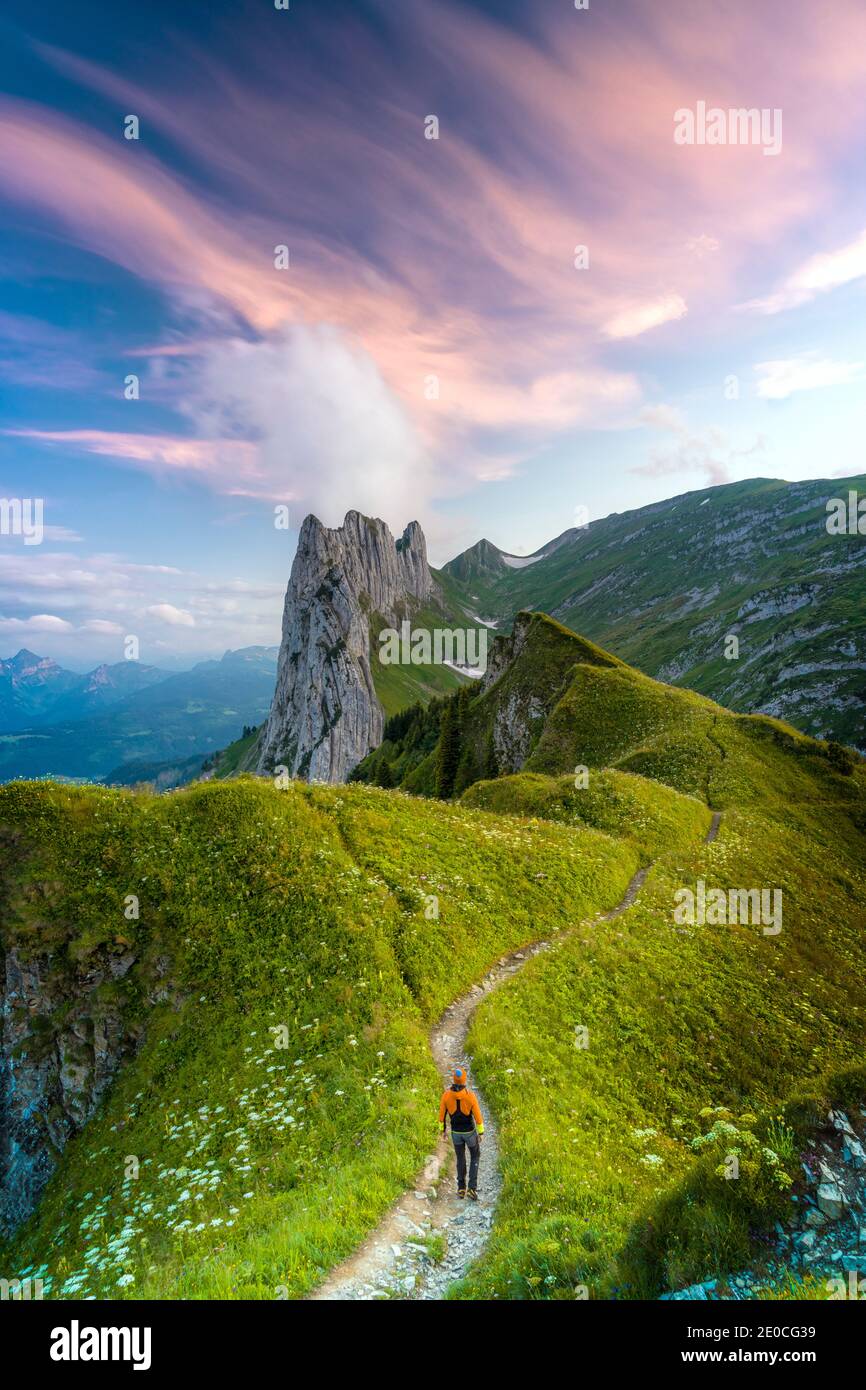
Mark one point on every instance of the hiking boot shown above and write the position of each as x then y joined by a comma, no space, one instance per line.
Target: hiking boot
461,1192
473,1194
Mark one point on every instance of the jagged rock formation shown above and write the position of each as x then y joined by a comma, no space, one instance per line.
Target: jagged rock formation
325,716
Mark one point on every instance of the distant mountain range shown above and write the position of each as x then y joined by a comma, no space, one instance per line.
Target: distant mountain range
57,723
35,690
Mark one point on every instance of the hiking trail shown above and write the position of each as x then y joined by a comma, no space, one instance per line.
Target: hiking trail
394,1261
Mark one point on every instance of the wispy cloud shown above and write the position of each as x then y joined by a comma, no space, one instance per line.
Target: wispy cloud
780,379
433,332
449,261
167,613
828,270
38,623
706,453
635,319
96,600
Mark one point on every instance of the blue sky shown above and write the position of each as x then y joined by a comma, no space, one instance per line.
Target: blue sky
431,351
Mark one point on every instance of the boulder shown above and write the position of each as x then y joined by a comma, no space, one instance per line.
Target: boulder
831,1200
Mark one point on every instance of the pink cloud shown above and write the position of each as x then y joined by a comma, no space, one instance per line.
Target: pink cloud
160,452
452,259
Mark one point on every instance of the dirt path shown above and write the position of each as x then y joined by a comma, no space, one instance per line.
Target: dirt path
396,1261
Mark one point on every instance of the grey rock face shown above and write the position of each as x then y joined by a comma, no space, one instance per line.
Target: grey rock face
325,715
53,1074
518,709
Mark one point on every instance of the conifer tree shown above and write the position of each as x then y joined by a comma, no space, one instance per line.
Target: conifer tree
448,756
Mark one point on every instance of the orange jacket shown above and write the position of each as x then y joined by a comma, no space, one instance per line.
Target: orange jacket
462,1106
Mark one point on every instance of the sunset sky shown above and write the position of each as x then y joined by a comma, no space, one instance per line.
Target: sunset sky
432,351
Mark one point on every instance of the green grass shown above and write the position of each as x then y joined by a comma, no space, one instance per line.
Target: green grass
398,686
602,1186
347,918
619,803
237,757
662,586
263,1157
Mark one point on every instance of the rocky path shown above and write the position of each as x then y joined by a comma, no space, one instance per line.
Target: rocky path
430,1237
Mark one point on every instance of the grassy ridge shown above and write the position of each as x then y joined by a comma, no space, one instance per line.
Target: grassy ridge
619,803
602,1185
285,1093
302,942
557,703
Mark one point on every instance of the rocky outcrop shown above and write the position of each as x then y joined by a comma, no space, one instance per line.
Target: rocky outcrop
827,1237
520,707
65,1030
325,716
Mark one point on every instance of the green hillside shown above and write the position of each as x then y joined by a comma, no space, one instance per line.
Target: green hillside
301,910
293,948
553,703
398,685
663,586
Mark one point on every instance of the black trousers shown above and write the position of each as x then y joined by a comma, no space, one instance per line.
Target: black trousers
462,1142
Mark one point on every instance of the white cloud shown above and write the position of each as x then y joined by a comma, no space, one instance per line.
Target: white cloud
635,319
826,271
708,452
60,534
102,626
167,613
782,378
104,596
329,431
40,622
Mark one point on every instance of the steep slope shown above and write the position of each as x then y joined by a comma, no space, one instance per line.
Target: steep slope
271,1002
332,692
665,585
554,703
269,1005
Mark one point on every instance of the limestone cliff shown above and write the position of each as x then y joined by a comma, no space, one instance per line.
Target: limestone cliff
325,714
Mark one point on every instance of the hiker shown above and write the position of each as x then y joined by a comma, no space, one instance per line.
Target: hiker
467,1128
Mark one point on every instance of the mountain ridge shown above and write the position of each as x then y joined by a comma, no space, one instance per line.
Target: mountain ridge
359,915
664,586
